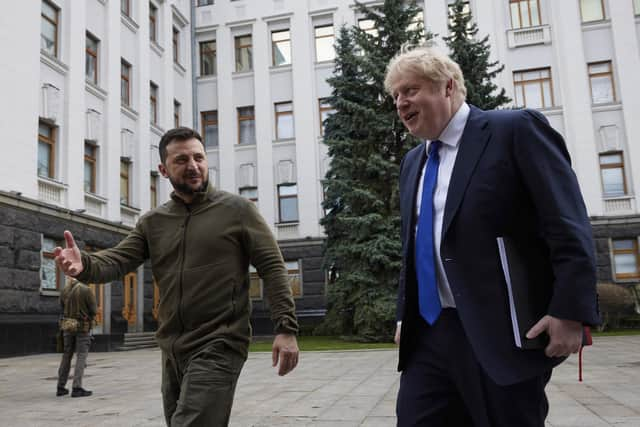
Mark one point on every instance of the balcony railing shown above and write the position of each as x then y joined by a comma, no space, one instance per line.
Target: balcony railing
528,36
619,205
52,192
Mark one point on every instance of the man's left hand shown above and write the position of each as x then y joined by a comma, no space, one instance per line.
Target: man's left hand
565,336
285,348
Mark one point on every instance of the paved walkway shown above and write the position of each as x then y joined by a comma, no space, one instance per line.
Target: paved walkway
353,388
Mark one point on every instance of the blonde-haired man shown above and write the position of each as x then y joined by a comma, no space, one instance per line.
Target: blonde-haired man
478,176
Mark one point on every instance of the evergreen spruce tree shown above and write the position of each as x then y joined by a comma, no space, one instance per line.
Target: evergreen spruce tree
366,143
473,57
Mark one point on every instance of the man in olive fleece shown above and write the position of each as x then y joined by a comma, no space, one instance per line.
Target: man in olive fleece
200,244
78,302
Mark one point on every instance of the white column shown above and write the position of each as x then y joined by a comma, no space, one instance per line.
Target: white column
21,92
264,122
491,20
75,118
142,162
165,101
111,148
227,120
574,87
627,62
306,151
435,17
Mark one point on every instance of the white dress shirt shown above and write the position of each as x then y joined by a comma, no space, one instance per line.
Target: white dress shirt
448,151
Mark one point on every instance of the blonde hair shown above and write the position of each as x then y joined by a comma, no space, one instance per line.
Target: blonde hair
427,62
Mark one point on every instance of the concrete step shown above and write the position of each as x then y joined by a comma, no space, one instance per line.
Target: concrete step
138,340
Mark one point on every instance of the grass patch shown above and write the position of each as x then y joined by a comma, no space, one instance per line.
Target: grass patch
616,333
315,343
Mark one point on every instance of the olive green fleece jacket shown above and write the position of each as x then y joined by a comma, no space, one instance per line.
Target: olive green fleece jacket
200,255
78,302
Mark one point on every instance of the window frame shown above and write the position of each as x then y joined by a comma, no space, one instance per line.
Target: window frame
203,52
153,22
125,175
322,109
238,47
51,141
250,187
125,66
283,113
281,197
125,7
316,37
92,159
540,81
153,190
636,7
50,255
153,103
175,45
247,118
176,113
602,9
602,74
204,122
201,3
632,251
520,14
93,54
619,165
274,44
54,23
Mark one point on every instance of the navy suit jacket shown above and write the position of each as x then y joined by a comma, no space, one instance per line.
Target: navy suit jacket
512,177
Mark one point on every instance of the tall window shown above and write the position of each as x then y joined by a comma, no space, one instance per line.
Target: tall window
153,103
636,6
244,61
91,59
625,258
533,88
125,184
255,284
293,273
284,120
288,202
176,113
153,190
250,193
246,125
51,276
524,13
324,43
125,83
153,22
176,44
209,121
125,7
49,28
592,10
208,58
601,82
325,111
281,47
90,167
46,150
205,2
368,26
612,173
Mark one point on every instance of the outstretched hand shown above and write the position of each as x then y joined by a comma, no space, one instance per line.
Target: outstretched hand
285,350
565,336
69,259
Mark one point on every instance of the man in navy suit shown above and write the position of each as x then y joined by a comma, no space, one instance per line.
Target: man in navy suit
485,174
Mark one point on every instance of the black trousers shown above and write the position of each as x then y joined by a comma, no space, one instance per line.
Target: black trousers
443,385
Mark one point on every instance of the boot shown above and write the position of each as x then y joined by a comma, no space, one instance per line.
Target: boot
61,391
80,392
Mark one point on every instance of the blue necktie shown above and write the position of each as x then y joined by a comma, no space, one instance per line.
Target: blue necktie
428,297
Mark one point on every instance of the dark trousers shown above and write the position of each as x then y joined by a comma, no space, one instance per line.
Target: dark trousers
443,385
78,343
198,391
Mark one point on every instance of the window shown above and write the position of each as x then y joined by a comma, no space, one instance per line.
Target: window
153,20
125,187
208,58
418,20
205,2
125,83
368,26
51,277
625,259
612,173
592,10
636,6
129,292
46,150
244,61
209,121
176,113
601,82
250,193
125,7
293,273
288,202
524,13
325,111
91,59
324,43
246,126
284,120
153,103
281,47
176,44
255,284
49,28
533,88
90,167
153,190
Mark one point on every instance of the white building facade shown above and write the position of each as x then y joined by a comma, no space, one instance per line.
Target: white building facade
92,85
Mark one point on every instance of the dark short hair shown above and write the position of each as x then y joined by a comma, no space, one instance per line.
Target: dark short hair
178,134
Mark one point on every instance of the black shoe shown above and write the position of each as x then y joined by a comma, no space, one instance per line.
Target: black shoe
62,391
80,392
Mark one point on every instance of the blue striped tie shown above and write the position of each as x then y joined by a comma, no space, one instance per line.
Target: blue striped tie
428,297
